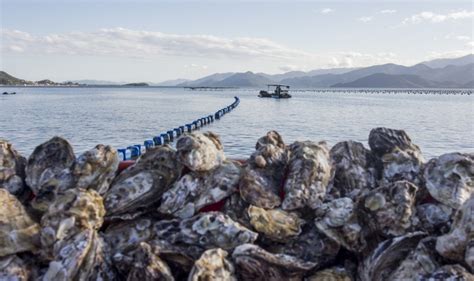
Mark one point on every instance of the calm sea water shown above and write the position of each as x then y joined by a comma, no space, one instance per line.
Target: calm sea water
126,116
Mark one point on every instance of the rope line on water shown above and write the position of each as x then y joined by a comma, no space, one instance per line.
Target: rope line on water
134,151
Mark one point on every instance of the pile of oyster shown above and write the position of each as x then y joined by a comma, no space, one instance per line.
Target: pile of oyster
289,212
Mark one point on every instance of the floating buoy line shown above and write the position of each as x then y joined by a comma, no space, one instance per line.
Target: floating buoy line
392,91
134,151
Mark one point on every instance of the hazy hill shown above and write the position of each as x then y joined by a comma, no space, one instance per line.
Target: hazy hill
7,79
245,79
440,63
207,81
170,82
382,80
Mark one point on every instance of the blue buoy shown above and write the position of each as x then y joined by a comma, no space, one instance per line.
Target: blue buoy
196,124
149,144
128,154
121,154
170,135
166,138
189,127
141,148
135,151
158,140
178,131
182,129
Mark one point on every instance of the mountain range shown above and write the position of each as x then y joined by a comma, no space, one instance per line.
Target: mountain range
438,73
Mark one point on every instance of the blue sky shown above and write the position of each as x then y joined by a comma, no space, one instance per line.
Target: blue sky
161,40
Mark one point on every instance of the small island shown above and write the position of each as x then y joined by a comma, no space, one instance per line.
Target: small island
141,84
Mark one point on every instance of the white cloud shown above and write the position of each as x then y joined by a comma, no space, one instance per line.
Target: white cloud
356,59
449,54
470,44
462,38
144,44
437,18
326,11
388,11
290,67
365,19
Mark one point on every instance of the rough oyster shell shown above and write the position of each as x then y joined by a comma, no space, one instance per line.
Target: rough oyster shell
435,218
200,151
308,177
48,166
454,244
14,268
140,186
311,246
254,263
399,158
421,261
275,224
213,265
338,220
12,170
18,232
450,178
128,234
236,208
261,180
390,209
180,256
195,191
354,170
450,272
385,259
147,266
331,274
207,230
96,168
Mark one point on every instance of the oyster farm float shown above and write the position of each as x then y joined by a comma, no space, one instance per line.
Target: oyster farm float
297,211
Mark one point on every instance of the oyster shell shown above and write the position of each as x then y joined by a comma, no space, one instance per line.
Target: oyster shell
14,268
450,178
450,272
390,209
12,171
200,151
147,266
48,165
261,180
179,256
207,230
140,186
385,259
308,177
236,208
255,263
354,169
421,261
213,265
455,244
331,274
310,246
275,224
18,232
399,158
339,221
96,168
128,234
435,218
195,191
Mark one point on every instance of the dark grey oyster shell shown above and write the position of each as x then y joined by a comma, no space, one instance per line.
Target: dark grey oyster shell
200,152
255,263
388,255
129,234
450,272
338,219
18,232
213,265
308,176
421,261
276,225
450,178
262,178
390,209
434,218
96,168
12,171
455,244
13,268
236,208
181,256
354,169
399,158
195,191
331,274
48,171
139,187
145,265
311,246
207,230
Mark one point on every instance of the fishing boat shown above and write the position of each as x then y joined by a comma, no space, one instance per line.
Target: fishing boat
276,91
